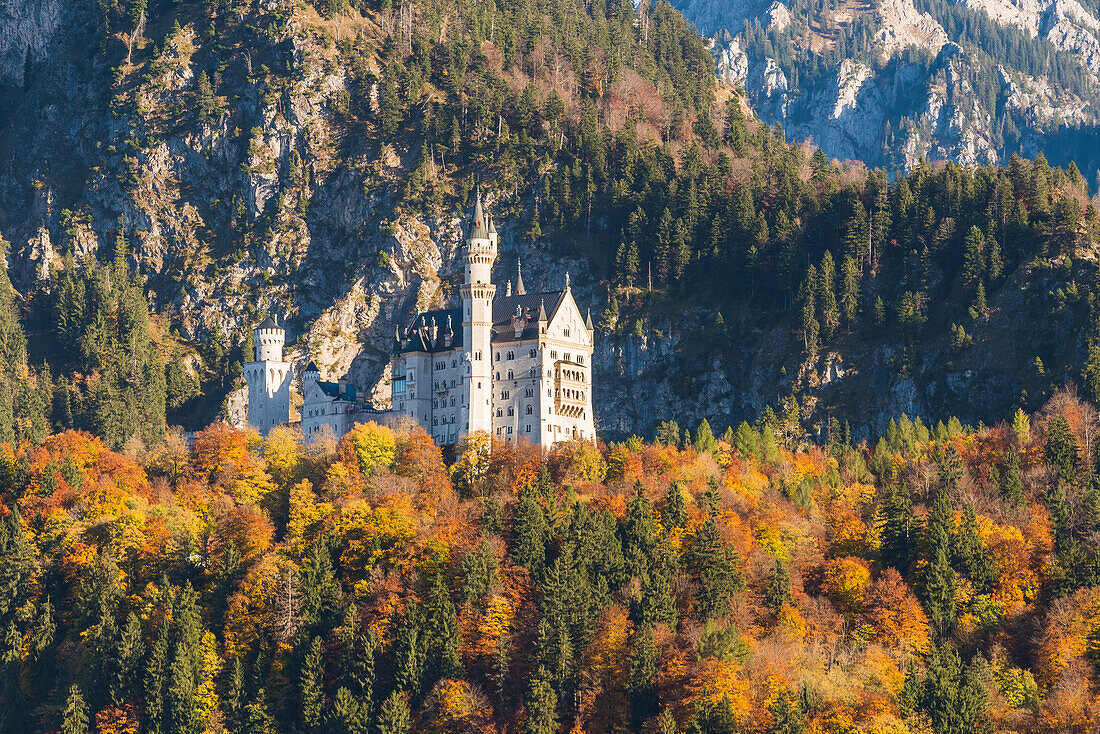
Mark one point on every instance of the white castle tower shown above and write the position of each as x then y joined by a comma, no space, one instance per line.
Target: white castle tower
269,378
477,293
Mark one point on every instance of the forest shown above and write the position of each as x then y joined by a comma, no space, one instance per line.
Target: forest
942,579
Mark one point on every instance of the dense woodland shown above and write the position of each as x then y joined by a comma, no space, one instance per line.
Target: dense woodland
943,580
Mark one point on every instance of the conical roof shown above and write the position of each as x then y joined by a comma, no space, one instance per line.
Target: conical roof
478,226
520,290
269,323
312,367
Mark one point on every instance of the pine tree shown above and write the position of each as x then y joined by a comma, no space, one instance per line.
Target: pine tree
777,588
395,717
826,292
973,555
310,693
673,507
715,567
529,532
786,714
639,531
74,719
641,684
1012,487
1060,449
204,98
939,579
347,714
156,674
897,529
953,696
705,442
440,634
542,704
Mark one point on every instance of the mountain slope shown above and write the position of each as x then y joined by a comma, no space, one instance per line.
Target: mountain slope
889,81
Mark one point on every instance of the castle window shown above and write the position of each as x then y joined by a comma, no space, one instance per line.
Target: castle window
580,359
500,413
529,392
511,410
504,394
567,356
452,402
498,356
509,430
511,355
528,427
435,421
529,410
454,363
532,372
435,403
510,375
553,354
565,331
534,352
452,383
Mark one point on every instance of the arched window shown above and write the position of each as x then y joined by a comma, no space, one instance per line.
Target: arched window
529,410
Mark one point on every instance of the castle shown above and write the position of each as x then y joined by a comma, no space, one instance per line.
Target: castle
517,366
268,378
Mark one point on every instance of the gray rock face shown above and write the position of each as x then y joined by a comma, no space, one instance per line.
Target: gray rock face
882,105
26,29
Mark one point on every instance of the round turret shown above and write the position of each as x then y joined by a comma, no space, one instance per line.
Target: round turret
270,339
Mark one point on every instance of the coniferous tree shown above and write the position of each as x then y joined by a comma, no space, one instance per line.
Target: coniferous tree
1012,487
641,683
394,716
542,704
939,578
673,507
973,555
715,567
897,529
310,691
74,719
529,531
777,588
1060,449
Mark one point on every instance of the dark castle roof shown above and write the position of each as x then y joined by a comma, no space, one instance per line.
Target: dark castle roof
418,337
269,323
529,306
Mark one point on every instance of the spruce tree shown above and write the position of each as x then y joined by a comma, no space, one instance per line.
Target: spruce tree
939,578
641,684
897,529
1012,486
777,588
529,530
74,719
310,693
394,717
973,555
542,705
716,568
673,508
1060,449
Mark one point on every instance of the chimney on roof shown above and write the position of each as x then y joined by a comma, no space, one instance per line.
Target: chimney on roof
508,289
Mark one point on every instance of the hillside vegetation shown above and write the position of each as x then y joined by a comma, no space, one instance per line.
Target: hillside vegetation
941,580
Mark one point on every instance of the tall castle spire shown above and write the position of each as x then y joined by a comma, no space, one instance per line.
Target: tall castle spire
520,290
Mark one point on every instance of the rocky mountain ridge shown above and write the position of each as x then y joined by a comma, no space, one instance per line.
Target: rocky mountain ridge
886,83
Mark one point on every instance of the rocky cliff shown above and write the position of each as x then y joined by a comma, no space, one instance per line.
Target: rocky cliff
890,81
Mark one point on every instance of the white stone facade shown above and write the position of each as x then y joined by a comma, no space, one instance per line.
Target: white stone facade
269,379
518,366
